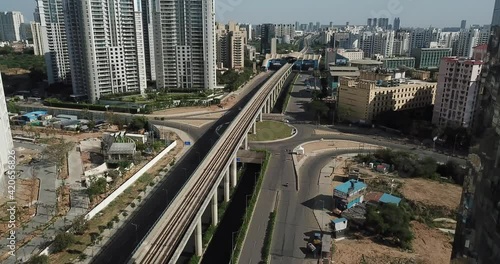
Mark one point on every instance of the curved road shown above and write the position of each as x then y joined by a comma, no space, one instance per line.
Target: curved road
123,243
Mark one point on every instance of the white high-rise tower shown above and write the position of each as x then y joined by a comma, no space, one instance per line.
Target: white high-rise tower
5,140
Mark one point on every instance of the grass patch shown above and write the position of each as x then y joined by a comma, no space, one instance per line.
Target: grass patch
266,248
271,130
249,210
289,93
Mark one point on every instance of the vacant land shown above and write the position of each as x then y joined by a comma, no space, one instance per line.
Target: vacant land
429,246
432,193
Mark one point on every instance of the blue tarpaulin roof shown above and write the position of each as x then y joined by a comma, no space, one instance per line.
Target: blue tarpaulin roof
339,220
344,187
387,198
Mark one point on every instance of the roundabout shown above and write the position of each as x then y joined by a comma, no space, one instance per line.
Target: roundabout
272,131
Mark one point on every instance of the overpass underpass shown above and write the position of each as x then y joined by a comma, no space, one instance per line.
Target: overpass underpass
183,217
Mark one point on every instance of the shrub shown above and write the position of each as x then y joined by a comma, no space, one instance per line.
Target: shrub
43,259
62,241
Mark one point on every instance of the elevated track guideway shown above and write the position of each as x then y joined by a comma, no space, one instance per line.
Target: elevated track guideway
166,240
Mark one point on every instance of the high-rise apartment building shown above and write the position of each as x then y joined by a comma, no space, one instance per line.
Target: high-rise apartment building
10,26
50,15
457,92
266,35
429,58
231,41
421,38
36,31
185,44
369,22
467,40
477,236
148,34
5,141
281,30
401,45
377,43
397,24
106,47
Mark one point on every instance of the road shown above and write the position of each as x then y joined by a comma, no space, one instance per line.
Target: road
295,220
123,243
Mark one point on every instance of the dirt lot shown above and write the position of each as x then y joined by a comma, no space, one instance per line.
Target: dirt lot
430,246
432,193
26,194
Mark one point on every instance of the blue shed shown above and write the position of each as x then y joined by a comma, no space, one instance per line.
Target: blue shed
388,198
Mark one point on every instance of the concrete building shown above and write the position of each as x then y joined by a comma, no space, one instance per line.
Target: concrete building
36,31
348,194
10,26
106,47
249,30
148,36
185,46
463,24
429,58
351,54
467,40
362,99
401,46
50,15
398,62
397,24
5,141
457,92
266,35
421,38
230,41
377,43
480,52
477,236
282,30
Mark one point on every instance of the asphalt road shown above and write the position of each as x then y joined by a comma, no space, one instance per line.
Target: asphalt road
295,220
120,247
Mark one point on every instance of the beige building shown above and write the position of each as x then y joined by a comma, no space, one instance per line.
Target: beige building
231,40
362,99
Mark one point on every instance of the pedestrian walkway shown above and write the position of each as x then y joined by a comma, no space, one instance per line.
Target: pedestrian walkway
78,197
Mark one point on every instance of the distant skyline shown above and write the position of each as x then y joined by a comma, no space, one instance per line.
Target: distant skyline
413,13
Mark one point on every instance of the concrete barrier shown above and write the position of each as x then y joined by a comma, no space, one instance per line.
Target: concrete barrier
129,182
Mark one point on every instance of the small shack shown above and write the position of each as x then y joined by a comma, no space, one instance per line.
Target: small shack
339,228
388,198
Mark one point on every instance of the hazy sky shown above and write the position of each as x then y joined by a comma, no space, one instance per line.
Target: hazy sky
422,13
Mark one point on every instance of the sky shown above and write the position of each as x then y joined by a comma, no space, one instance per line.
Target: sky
413,13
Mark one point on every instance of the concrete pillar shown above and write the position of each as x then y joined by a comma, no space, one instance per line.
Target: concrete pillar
254,128
234,172
226,186
198,246
245,142
215,213
260,116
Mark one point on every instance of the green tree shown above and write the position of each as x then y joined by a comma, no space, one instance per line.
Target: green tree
138,123
390,221
97,187
43,259
80,225
62,241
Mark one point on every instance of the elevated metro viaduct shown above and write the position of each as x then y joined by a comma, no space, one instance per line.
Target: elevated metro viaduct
181,223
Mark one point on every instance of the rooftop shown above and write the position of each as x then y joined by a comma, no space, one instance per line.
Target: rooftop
388,198
463,60
122,148
339,220
366,62
399,58
354,184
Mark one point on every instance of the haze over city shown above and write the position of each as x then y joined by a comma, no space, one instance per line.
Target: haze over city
413,13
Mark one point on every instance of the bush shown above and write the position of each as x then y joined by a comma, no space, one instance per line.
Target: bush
132,205
125,214
43,259
392,222
82,256
62,241
116,219
109,225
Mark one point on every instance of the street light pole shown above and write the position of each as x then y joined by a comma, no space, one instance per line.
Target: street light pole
232,246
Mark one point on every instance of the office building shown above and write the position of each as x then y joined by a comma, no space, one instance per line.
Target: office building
249,30
106,47
457,92
266,34
5,141
148,36
480,52
429,58
477,236
185,44
361,99
36,31
463,24
369,23
10,26
50,15
397,24
467,40
398,63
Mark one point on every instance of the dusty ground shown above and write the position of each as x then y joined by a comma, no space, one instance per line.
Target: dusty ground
63,200
432,192
26,194
430,246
